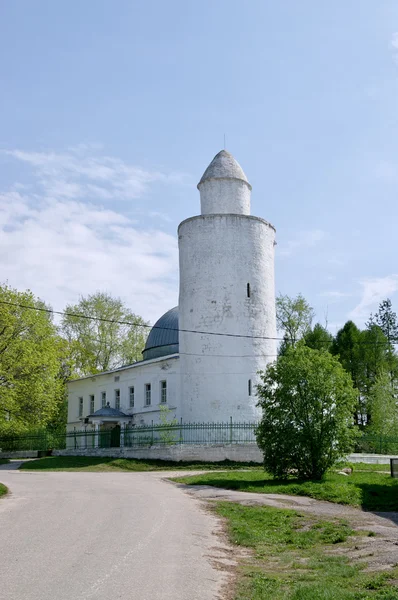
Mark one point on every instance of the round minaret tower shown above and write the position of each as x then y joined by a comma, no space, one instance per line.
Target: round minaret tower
227,295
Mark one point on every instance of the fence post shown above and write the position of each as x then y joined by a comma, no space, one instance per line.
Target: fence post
152,434
122,432
96,435
230,430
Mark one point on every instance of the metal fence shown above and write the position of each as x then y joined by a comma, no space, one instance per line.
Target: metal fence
42,440
137,436
377,444
163,435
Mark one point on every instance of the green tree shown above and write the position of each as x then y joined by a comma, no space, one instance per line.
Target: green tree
318,338
383,406
363,354
307,399
386,320
376,354
293,317
169,434
101,345
347,347
31,392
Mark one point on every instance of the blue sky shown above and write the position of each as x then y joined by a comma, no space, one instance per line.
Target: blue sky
111,111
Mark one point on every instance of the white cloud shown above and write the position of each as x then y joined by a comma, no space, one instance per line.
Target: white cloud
386,170
335,262
57,242
374,290
303,240
79,172
335,294
394,46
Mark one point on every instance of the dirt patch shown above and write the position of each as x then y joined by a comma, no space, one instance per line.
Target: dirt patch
224,556
377,540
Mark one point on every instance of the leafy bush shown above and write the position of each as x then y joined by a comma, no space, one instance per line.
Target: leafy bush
308,402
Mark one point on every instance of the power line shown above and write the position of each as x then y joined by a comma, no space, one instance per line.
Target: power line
229,355
138,324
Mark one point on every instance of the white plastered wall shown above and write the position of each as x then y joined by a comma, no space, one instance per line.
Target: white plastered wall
219,255
152,371
224,196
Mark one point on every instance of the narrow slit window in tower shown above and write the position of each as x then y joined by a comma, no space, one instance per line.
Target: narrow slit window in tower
249,387
248,290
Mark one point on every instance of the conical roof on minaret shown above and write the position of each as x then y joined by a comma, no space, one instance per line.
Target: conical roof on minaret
224,166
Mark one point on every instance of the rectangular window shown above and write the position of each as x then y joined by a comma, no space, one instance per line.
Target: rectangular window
248,290
147,394
117,377
249,386
103,399
131,390
163,392
92,407
80,407
117,399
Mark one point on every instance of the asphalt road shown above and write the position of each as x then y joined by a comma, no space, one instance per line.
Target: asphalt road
81,536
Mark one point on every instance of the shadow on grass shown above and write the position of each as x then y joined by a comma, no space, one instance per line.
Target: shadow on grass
376,497
372,492
91,463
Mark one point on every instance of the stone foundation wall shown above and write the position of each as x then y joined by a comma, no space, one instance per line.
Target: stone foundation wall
204,452
177,453
21,454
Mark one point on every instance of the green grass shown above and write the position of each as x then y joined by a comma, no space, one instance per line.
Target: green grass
88,463
371,491
385,468
4,461
297,557
3,490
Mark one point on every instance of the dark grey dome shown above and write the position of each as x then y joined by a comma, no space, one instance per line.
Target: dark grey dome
163,339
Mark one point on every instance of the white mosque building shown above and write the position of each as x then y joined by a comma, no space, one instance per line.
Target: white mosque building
201,358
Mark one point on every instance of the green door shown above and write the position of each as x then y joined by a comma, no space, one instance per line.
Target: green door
104,438
115,437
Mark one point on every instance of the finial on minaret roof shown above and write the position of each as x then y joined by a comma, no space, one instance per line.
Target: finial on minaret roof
224,166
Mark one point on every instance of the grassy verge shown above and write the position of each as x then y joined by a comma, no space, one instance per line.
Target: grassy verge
385,467
297,557
372,491
3,490
4,461
88,463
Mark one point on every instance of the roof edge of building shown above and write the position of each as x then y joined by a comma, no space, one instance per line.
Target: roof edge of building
125,367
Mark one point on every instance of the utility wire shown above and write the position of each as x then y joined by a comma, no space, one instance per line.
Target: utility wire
137,324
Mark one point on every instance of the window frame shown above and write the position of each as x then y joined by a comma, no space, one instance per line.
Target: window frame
148,394
117,398
92,404
103,399
163,391
131,396
81,406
